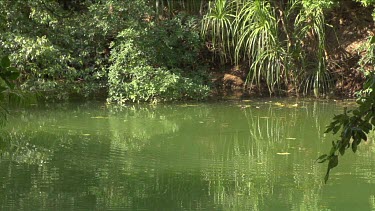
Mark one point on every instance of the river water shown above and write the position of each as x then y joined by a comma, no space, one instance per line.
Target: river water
245,155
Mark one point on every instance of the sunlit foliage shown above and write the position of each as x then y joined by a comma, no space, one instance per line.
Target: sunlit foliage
283,42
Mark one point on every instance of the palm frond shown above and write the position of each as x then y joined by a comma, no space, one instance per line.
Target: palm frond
258,42
310,25
217,24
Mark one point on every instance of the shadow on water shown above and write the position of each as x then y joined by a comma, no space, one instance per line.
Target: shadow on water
227,156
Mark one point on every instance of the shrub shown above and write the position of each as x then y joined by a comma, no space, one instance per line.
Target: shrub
132,78
56,50
174,43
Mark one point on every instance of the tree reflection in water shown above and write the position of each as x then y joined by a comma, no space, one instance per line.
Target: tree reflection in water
211,156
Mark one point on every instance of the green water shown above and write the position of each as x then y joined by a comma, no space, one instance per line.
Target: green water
224,156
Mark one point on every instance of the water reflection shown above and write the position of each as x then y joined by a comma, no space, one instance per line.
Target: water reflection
231,156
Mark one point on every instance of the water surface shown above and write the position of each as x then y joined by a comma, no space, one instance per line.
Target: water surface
248,155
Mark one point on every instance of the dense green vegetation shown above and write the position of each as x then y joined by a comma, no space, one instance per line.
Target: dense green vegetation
282,42
60,55
158,64
167,49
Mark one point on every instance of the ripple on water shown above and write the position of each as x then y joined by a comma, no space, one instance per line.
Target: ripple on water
217,157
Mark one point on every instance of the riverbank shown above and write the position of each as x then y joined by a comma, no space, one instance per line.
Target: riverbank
321,52
348,29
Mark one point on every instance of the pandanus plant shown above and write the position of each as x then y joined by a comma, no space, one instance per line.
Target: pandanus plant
217,25
257,33
310,31
284,42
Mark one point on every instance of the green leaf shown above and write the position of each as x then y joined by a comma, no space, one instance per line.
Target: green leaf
322,158
333,161
367,127
336,129
11,75
368,83
342,150
322,161
329,129
346,134
354,146
5,62
362,135
372,41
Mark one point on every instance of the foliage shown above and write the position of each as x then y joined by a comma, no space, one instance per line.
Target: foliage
58,52
132,77
7,75
354,125
169,8
217,26
367,2
60,55
256,28
174,43
310,27
282,42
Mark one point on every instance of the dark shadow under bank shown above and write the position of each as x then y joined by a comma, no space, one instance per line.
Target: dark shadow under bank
223,96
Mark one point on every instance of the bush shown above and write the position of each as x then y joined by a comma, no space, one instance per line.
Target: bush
132,77
175,43
58,53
